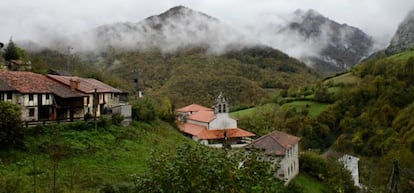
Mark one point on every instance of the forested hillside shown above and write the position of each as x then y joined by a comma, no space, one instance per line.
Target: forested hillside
373,118
247,76
367,112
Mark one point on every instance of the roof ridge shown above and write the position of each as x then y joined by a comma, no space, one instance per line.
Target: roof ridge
277,141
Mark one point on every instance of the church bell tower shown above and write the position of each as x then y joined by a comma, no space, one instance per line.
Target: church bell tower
221,106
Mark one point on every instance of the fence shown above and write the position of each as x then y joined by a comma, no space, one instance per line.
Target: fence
49,122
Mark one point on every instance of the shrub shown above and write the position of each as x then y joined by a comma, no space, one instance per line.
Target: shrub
143,110
117,119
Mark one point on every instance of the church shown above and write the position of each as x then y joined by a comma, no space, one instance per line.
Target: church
212,126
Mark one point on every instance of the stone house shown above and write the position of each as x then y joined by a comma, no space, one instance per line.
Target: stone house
212,126
96,93
280,148
39,97
59,97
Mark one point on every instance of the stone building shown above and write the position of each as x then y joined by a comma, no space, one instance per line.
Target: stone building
280,148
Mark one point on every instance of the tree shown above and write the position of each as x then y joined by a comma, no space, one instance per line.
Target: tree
10,124
144,110
166,110
11,52
199,169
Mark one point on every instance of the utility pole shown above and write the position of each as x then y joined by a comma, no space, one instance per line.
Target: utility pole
68,62
95,106
394,178
137,82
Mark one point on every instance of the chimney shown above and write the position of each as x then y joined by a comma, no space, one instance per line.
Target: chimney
74,84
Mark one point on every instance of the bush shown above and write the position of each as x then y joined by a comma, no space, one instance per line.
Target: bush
143,110
104,122
88,116
13,183
117,119
335,177
10,124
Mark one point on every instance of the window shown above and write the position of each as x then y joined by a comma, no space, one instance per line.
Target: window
47,96
30,97
219,108
1,97
31,112
9,96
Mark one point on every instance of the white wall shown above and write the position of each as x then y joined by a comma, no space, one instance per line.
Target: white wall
351,164
222,121
197,123
289,164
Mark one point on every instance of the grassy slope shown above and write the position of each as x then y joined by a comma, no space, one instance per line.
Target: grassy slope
308,184
347,78
404,56
91,158
314,108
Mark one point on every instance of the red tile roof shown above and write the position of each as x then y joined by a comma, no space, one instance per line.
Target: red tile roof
275,143
202,133
86,85
29,82
202,116
221,133
191,129
193,108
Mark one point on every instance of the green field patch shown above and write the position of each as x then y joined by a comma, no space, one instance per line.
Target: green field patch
334,89
242,113
347,78
314,108
404,56
308,184
250,111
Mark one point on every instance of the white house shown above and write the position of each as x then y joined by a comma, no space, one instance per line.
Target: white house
212,127
351,164
282,148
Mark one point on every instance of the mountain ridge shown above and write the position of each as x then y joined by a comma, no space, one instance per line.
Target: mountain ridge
404,36
343,45
181,28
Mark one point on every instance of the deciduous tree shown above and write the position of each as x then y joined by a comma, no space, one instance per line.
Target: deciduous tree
10,124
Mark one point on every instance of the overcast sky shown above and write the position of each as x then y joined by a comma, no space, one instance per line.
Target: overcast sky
37,19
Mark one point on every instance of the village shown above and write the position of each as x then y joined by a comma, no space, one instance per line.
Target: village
54,98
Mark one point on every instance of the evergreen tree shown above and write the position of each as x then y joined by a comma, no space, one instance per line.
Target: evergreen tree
11,52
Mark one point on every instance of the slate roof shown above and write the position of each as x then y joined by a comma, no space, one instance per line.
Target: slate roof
5,87
193,108
275,143
202,133
86,85
29,82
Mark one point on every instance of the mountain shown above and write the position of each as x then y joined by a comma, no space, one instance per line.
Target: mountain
321,43
177,28
333,47
404,37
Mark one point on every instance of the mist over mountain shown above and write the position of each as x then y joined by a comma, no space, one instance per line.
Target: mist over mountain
318,41
177,28
321,43
404,37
